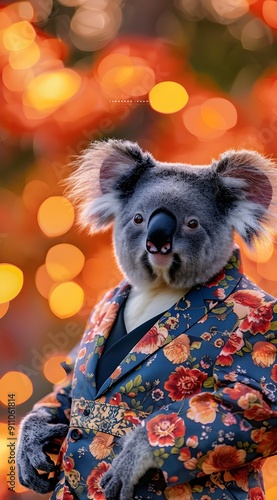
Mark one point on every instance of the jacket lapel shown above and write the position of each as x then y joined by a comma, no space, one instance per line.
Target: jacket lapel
189,310
96,333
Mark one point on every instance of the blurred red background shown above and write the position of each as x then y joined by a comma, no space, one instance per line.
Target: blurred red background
186,79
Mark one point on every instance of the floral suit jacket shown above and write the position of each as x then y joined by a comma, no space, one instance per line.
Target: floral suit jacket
202,380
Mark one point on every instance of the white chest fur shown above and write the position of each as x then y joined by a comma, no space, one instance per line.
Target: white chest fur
143,304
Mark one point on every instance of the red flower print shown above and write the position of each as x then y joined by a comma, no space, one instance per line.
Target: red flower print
219,343
101,320
258,412
249,298
192,441
233,344
258,320
223,457
224,360
68,464
241,476
183,382
256,494
184,454
153,339
82,353
95,491
180,491
116,399
206,336
264,354
64,494
258,434
268,443
237,391
251,401
273,374
131,416
219,293
163,429
216,279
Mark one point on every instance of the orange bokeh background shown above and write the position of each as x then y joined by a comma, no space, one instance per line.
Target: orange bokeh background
186,79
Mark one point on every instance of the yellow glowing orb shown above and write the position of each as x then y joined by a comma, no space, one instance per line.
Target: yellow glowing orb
15,386
53,370
18,36
51,89
66,299
64,261
55,216
11,282
168,97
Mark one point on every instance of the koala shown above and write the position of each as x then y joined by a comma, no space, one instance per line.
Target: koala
172,392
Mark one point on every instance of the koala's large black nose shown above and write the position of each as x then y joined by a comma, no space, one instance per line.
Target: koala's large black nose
160,232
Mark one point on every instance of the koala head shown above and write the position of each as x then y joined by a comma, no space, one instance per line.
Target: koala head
172,223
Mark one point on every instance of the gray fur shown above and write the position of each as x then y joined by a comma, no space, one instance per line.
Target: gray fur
129,466
115,180
36,431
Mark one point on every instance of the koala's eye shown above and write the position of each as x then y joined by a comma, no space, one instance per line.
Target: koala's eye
138,219
193,223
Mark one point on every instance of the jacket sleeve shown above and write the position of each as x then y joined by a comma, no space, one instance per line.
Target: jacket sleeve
233,425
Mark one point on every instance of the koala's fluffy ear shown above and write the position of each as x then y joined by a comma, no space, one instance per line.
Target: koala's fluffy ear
104,173
247,182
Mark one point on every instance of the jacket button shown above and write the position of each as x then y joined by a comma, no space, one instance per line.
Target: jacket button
75,434
86,412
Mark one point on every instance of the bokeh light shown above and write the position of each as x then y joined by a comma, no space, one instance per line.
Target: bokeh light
262,252
4,307
230,10
17,383
25,58
55,216
11,282
34,193
19,36
51,89
268,269
218,113
92,26
66,299
43,281
53,371
168,97
122,76
64,261
270,13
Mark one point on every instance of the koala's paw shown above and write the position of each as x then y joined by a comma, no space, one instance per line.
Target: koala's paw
129,466
36,432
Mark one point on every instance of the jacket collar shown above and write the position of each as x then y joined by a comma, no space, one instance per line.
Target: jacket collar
189,310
